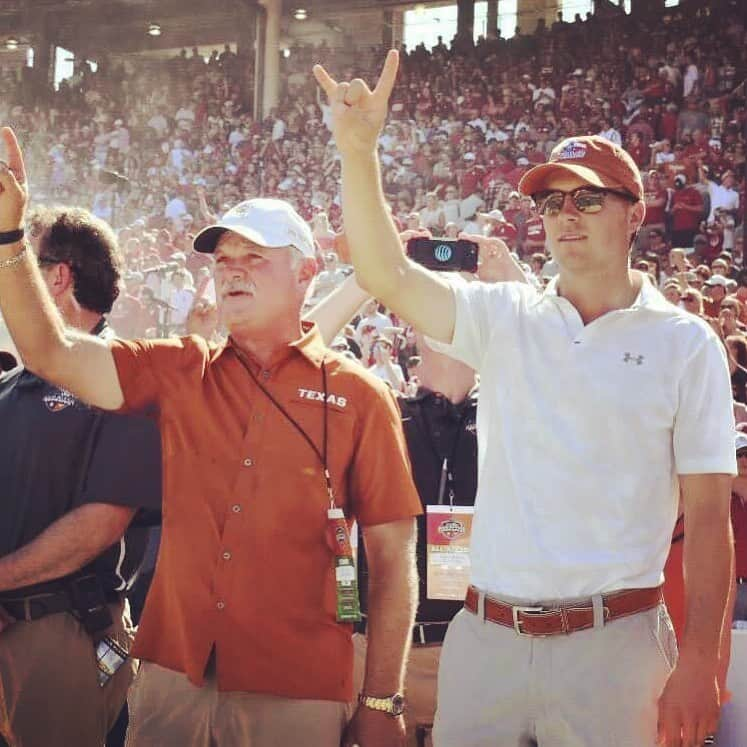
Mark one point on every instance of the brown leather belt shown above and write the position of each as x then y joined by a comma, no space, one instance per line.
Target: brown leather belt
544,621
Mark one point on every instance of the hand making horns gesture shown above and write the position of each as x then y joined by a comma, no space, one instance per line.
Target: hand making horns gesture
358,113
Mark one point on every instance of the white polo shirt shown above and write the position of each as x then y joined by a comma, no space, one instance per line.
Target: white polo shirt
582,431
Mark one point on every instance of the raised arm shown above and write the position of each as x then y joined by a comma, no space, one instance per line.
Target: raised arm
80,363
336,309
415,294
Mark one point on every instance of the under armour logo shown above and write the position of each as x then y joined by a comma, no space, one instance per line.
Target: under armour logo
630,358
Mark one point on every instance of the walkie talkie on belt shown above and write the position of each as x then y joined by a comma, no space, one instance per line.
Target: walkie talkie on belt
90,605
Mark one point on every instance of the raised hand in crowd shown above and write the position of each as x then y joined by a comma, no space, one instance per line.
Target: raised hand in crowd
412,292
496,264
358,113
13,188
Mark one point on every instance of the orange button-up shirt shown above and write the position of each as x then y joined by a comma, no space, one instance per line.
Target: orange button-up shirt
244,563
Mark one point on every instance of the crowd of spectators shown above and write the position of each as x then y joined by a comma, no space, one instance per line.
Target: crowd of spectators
160,147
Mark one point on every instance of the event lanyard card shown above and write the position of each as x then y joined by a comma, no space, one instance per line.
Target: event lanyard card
346,576
109,658
448,533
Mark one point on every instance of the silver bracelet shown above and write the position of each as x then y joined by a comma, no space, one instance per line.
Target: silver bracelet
16,259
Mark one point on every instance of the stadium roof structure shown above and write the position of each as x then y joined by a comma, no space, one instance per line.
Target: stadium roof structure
122,25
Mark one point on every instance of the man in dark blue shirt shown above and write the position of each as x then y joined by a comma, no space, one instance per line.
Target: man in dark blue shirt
79,488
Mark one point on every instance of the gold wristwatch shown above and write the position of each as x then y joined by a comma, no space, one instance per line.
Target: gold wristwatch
394,705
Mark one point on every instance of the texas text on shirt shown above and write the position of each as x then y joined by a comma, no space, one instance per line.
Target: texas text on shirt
601,389
238,476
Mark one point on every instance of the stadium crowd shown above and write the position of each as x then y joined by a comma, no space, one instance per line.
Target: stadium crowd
467,122
160,149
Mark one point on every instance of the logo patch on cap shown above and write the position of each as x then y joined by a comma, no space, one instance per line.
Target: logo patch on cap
571,151
243,208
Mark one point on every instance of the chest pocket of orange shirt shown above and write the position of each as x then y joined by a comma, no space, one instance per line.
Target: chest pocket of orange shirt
341,436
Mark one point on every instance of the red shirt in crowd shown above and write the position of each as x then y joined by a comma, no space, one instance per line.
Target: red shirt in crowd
684,219
534,229
655,214
471,179
506,231
668,126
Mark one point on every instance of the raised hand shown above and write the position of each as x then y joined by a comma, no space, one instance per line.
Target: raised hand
358,114
13,190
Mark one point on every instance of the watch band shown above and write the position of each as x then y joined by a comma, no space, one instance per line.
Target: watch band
394,705
10,237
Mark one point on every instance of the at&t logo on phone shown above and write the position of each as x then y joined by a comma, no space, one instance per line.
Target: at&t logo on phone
443,253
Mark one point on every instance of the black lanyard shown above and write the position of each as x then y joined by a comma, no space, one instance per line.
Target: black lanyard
322,455
447,462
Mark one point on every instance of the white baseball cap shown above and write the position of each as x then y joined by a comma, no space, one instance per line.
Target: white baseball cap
716,280
495,214
265,221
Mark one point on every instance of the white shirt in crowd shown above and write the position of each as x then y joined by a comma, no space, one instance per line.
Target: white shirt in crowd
159,123
181,303
582,431
721,197
278,129
451,211
612,135
392,374
432,220
175,208
378,320
689,81
185,117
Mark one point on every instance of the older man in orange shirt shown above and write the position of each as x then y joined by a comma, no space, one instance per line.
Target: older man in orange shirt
271,445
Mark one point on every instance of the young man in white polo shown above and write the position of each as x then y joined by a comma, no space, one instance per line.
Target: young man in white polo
599,403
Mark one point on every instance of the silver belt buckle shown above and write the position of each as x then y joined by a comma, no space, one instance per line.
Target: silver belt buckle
517,623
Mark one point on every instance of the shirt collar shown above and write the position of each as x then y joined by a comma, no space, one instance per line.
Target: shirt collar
310,345
424,393
648,296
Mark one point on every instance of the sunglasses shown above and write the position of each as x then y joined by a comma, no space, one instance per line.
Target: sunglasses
742,453
587,200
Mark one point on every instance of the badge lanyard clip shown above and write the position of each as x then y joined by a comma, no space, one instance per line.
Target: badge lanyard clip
446,479
346,577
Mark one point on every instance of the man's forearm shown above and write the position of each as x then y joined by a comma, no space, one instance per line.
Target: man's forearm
708,559
31,317
367,222
65,546
392,602
335,310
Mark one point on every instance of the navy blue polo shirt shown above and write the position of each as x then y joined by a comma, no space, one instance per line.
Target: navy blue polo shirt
57,454
436,429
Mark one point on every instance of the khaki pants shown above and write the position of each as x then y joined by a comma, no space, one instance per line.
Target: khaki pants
167,710
49,690
593,688
421,679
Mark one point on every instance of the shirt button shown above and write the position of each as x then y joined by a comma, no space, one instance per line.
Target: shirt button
220,605
248,462
265,374
236,508
226,555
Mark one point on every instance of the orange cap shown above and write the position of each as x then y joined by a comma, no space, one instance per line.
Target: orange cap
592,158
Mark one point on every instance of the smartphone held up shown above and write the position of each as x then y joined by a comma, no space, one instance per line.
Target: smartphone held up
444,255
